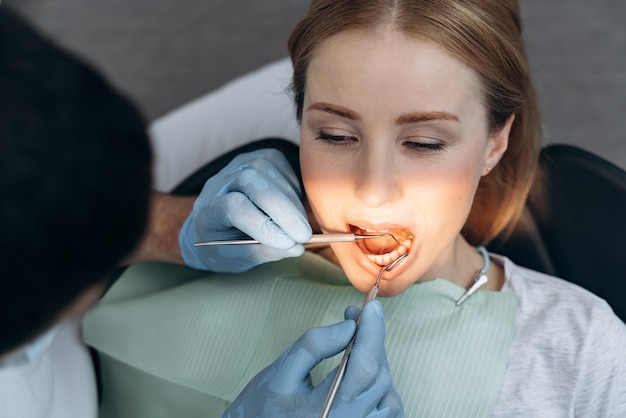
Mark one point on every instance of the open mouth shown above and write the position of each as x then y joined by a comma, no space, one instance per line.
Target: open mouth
385,249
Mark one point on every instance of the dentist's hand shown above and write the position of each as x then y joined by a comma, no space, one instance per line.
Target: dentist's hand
257,193
284,389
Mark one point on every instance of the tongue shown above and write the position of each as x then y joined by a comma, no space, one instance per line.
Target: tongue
382,245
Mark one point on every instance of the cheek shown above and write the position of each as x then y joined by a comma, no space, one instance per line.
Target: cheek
459,185
442,198
324,184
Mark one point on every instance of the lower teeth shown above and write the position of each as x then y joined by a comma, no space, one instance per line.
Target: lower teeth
384,259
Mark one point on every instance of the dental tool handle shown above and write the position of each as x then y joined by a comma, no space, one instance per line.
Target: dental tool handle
225,242
326,238
341,370
315,239
334,387
371,295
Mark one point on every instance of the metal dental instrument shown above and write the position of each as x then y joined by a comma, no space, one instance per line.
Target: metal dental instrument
334,387
479,279
241,238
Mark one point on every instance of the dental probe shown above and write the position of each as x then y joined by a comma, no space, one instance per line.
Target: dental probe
334,387
315,239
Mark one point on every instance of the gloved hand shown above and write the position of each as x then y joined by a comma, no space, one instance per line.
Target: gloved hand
284,389
257,193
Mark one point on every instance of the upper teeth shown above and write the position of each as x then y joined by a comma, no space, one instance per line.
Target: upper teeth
376,231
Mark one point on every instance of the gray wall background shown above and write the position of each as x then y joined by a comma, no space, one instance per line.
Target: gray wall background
163,53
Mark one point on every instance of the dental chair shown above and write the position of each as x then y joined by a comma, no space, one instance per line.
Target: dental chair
573,225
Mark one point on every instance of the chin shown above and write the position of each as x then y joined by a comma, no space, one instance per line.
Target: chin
362,270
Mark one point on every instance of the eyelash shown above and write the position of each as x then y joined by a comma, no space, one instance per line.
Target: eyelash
334,139
425,148
416,147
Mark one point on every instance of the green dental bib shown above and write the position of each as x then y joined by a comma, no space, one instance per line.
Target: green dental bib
450,360
179,342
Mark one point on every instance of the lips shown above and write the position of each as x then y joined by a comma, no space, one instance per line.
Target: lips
382,251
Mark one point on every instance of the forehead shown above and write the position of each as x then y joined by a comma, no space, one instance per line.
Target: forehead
390,66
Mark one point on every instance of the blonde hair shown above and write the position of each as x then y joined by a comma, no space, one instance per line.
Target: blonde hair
483,34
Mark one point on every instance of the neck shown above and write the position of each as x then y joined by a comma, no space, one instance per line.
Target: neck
462,263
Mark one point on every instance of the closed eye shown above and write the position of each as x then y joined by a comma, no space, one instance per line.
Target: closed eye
338,139
425,147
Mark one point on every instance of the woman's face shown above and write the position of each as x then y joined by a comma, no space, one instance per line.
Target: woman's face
394,139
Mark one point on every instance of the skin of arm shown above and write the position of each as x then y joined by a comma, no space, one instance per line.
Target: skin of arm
160,241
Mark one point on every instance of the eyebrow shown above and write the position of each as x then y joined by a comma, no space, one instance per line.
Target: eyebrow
404,119
335,110
409,118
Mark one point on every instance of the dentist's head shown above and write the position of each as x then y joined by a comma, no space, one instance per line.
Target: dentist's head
75,174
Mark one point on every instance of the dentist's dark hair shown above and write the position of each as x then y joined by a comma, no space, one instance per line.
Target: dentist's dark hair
75,177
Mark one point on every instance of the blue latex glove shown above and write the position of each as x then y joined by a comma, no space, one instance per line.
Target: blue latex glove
284,389
259,194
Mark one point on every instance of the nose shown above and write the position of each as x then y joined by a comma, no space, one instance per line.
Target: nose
377,181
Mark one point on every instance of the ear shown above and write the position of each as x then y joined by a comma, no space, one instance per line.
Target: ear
498,143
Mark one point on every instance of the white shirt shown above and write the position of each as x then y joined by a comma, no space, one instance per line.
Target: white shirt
60,382
568,357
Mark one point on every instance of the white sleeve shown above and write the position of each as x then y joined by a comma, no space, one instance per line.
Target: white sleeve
602,381
254,106
75,392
